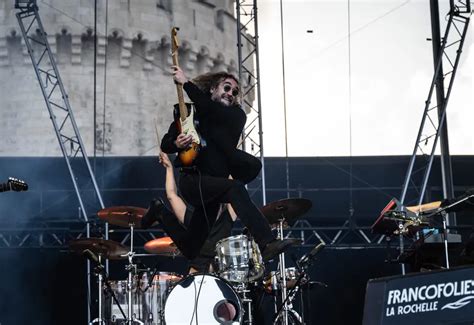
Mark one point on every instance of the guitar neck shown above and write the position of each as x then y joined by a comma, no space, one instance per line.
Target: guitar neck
183,112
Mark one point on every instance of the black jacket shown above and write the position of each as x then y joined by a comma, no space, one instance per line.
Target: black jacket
221,127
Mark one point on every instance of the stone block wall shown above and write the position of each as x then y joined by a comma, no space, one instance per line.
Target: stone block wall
134,85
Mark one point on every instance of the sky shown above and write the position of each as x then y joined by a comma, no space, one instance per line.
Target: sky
357,84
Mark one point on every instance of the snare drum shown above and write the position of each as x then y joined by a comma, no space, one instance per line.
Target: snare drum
203,299
239,259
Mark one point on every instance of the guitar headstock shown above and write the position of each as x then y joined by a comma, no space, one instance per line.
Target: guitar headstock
174,40
17,185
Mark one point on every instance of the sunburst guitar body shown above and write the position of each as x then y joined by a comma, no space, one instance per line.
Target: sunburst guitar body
188,126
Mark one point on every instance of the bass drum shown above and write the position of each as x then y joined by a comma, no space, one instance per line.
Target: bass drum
203,299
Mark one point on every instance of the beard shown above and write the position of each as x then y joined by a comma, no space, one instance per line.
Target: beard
222,100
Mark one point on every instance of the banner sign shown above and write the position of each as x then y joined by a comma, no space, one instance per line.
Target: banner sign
439,297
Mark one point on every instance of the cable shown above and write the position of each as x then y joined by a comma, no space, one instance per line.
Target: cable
202,200
312,56
95,86
105,85
349,67
284,101
196,299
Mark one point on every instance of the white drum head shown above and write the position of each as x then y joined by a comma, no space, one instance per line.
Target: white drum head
203,299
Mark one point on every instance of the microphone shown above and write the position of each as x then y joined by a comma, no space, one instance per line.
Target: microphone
309,256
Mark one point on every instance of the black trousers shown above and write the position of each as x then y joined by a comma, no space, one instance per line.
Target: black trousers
206,193
189,238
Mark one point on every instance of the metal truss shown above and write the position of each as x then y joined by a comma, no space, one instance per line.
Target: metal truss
65,127
249,77
54,234
434,116
57,234
335,236
43,235
57,103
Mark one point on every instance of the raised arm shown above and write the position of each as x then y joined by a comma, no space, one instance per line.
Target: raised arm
203,102
177,204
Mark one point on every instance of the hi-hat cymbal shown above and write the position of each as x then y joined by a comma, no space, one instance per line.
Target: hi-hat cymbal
288,210
123,216
103,247
162,246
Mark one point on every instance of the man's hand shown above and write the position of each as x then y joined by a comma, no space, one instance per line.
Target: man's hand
178,75
183,140
165,160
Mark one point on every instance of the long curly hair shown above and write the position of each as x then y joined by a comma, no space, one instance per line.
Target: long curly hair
210,80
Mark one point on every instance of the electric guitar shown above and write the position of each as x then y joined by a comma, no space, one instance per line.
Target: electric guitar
13,184
185,119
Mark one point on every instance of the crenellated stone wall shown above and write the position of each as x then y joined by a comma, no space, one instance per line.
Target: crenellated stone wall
134,84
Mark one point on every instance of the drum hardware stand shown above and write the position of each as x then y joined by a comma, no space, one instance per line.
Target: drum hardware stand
303,264
103,285
243,288
99,269
132,269
288,303
282,267
289,300
243,291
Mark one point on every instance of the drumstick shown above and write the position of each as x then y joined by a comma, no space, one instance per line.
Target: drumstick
157,137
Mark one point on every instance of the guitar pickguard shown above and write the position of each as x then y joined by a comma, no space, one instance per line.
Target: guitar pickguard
187,127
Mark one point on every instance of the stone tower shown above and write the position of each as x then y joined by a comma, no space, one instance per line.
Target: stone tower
134,84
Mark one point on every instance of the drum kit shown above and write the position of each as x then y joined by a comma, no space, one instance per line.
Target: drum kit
222,297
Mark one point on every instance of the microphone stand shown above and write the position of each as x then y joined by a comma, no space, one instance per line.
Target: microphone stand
290,295
302,267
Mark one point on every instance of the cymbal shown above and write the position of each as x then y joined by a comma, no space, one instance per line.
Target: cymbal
288,210
123,216
162,246
103,247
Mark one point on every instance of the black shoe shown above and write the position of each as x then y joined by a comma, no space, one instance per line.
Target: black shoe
153,213
277,246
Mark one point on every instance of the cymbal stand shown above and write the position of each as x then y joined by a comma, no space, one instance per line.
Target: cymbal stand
291,294
131,268
99,270
282,267
288,302
104,285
